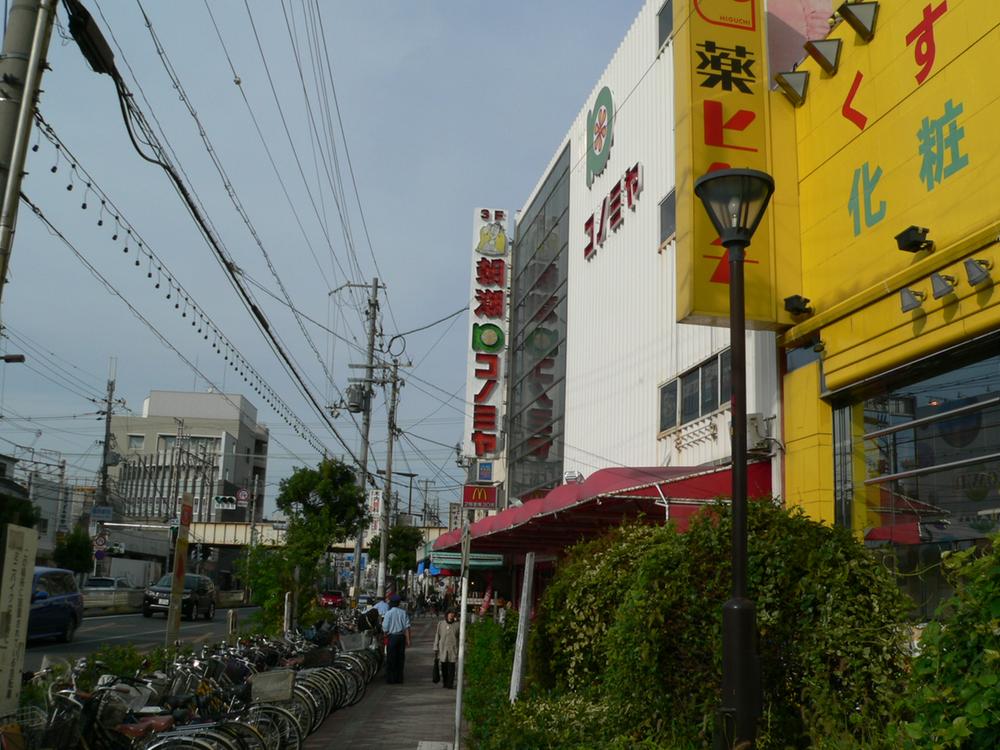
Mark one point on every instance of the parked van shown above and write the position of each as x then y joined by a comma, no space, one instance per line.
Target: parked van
56,605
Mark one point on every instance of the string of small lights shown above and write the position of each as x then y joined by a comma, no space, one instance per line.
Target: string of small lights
160,275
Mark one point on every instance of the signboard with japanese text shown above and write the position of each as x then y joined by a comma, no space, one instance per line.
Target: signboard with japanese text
488,315
479,496
721,121
904,134
375,509
17,560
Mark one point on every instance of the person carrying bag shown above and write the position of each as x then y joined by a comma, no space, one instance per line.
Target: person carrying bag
446,649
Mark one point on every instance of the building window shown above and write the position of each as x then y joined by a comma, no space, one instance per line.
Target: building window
668,217
136,442
702,391
665,23
668,405
916,466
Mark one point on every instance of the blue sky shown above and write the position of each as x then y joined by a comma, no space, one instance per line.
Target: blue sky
445,106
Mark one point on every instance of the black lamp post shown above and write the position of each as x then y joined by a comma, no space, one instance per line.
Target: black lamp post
735,200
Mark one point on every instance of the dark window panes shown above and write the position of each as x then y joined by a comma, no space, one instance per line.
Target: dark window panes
665,22
668,217
690,397
725,380
710,386
668,405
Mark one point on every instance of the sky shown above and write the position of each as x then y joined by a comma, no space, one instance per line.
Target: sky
443,105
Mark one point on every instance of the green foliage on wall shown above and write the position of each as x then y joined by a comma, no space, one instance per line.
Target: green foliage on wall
75,552
955,700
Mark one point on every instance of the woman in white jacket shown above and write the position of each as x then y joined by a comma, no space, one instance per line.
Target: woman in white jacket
446,648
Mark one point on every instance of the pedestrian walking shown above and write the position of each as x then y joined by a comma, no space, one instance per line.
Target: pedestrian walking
396,625
446,648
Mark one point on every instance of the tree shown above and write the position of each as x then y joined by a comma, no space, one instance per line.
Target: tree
18,510
75,551
322,505
330,490
402,552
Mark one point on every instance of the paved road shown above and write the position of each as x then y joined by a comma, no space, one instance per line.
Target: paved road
143,633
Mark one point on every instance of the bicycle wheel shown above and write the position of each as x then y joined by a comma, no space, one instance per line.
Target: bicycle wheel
248,737
278,726
180,742
218,739
302,707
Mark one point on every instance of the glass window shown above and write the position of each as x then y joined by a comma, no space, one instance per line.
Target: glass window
690,397
665,22
725,378
668,217
668,405
918,466
709,386
136,442
166,442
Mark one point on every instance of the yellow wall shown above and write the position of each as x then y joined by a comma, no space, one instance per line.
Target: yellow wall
808,444
851,268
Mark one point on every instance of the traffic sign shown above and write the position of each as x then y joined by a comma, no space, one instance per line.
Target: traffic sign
100,541
242,494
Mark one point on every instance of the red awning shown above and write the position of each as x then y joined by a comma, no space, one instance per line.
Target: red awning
572,512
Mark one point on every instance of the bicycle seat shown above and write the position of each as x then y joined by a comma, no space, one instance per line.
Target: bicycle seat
146,726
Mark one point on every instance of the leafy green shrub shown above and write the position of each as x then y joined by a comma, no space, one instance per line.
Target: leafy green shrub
489,658
830,621
954,699
567,645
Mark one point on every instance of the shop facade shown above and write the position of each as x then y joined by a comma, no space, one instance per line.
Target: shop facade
892,377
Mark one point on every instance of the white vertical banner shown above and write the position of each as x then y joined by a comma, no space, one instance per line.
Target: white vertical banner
17,560
489,316
375,509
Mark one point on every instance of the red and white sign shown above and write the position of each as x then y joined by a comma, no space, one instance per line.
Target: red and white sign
488,311
479,496
625,192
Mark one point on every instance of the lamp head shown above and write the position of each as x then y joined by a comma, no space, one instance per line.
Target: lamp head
942,285
798,305
977,271
913,239
735,200
910,300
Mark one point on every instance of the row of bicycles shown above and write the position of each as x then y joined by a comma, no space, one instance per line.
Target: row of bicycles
257,694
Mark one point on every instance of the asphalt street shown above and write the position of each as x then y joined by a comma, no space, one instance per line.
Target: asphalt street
143,633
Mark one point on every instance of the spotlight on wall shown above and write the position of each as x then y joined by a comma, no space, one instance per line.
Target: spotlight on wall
977,271
826,53
942,284
794,85
913,239
910,300
798,305
861,17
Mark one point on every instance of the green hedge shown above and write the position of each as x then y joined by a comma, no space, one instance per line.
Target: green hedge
625,650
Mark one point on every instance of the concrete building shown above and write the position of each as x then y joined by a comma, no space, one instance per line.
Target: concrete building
208,444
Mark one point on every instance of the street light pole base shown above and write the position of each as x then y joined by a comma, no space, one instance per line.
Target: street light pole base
736,719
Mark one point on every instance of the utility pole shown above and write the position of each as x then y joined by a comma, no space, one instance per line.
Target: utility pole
106,453
383,554
426,483
366,408
25,46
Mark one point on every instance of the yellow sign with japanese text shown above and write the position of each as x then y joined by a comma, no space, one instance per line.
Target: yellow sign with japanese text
721,113
904,134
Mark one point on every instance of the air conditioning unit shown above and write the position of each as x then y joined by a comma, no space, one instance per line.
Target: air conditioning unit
757,432
572,477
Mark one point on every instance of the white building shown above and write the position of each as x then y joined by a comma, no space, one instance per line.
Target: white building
600,374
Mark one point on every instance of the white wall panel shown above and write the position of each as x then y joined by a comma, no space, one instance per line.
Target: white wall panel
623,341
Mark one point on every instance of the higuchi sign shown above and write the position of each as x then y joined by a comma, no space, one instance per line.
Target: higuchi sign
488,330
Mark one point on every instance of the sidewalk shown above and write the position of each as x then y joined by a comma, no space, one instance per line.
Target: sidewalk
416,714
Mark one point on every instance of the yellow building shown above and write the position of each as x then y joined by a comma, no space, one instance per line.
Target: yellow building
891,389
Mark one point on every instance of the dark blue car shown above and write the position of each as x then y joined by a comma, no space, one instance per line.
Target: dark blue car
56,605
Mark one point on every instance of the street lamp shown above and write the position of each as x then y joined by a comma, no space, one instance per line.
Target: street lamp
735,200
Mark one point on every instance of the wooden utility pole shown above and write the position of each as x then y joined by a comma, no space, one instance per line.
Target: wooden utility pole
383,555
